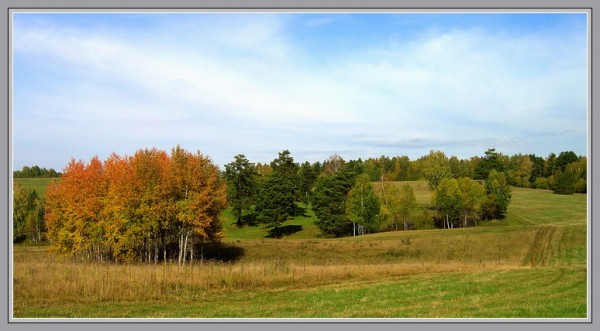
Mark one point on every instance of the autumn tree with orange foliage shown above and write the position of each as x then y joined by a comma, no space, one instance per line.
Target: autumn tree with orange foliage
135,207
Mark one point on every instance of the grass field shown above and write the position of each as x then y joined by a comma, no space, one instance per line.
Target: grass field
533,264
40,185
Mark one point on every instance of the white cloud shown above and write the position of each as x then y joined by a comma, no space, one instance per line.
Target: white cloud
244,85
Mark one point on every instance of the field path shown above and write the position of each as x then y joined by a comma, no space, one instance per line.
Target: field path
545,246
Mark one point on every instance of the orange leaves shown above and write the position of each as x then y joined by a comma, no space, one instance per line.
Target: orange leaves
132,205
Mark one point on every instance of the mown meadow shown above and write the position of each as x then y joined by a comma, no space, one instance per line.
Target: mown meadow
533,264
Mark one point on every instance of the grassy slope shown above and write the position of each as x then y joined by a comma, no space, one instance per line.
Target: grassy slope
534,265
537,207
40,185
299,227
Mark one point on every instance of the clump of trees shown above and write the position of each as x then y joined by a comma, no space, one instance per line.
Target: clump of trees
397,206
362,206
269,193
462,201
145,207
28,215
341,192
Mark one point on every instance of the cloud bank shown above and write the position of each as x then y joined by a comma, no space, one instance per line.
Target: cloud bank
356,85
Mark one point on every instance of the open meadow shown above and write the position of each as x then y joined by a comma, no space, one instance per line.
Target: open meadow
533,264
40,185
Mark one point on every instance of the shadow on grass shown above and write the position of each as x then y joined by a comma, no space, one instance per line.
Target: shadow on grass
247,220
286,230
221,252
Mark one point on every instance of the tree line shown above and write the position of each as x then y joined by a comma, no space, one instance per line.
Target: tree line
35,172
564,173
155,206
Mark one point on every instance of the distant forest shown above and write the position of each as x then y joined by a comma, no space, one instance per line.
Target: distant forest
35,172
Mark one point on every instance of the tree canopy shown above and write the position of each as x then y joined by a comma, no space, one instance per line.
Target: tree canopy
129,208
242,183
362,206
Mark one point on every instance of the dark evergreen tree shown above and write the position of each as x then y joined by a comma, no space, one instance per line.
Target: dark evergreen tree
307,177
285,166
275,201
539,167
329,201
550,165
491,161
567,182
241,179
565,158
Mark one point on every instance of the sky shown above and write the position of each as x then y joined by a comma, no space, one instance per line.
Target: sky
359,85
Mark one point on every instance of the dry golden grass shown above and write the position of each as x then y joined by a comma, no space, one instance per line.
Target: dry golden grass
42,279
61,282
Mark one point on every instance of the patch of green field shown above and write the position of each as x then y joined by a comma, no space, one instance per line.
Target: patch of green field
420,188
573,246
515,293
40,185
297,227
542,207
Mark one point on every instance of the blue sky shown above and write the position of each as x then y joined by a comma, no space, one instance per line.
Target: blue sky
355,84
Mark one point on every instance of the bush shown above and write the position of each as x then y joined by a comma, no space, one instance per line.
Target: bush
541,183
423,221
581,186
565,182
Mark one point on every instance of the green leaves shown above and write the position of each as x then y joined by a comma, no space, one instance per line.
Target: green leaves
275,200
27,214
329,201
242,185
436,167
498,195
362,205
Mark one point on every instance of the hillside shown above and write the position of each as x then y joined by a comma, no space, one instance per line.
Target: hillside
40,185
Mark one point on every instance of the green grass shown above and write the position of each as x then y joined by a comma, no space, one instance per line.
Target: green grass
298,227
40,185
529,293
420,188
538,207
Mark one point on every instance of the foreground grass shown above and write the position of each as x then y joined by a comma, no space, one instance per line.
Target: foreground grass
539,293
513,271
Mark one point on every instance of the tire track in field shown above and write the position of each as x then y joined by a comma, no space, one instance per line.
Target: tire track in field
545,246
